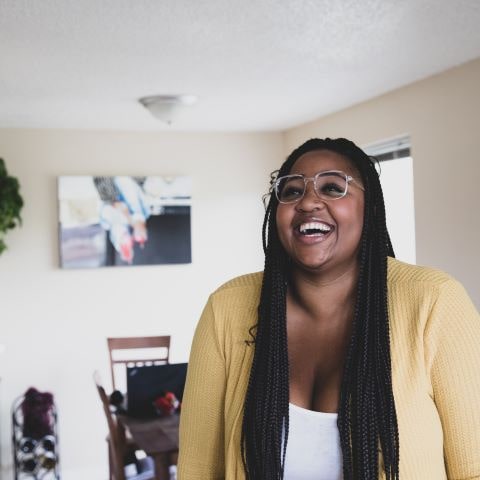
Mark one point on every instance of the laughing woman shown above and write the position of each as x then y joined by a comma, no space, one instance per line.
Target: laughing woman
337,361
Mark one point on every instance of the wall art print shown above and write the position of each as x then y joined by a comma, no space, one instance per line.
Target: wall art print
124,220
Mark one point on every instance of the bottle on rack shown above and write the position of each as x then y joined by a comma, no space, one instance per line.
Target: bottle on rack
27,445
48,443
48,460
28,463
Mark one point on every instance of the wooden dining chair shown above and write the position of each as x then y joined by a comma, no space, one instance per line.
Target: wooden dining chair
136,351
120,446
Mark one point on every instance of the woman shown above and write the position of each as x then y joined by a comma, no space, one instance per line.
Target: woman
338,360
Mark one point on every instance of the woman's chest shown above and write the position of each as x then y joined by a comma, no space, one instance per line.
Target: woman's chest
316,360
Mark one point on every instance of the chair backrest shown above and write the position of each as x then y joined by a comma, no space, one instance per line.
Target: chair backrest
136,351
116,432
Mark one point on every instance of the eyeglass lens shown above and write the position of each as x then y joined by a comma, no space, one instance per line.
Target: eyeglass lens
329,186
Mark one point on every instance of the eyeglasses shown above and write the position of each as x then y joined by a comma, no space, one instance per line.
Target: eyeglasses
328,185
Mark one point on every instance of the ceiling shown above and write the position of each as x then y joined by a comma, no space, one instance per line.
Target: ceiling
254,64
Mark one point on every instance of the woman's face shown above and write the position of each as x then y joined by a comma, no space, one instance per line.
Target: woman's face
331,241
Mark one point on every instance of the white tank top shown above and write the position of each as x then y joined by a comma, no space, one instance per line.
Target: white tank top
313,448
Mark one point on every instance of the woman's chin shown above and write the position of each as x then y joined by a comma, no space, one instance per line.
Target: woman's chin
311,265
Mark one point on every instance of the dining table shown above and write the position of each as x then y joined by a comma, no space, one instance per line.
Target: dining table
157,436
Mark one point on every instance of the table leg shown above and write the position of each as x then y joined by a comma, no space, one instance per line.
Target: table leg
161,466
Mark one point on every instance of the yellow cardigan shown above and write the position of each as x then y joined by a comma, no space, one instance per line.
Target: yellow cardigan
435,349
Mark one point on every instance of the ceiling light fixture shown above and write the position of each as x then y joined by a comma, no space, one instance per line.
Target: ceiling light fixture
166,107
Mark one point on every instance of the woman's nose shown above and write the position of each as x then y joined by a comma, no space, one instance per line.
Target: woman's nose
310,199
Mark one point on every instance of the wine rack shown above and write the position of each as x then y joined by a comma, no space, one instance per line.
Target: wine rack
34,458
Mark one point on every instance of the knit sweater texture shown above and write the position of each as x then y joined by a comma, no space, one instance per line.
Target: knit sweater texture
435,353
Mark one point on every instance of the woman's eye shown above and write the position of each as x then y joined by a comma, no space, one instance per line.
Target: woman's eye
332,189
292,191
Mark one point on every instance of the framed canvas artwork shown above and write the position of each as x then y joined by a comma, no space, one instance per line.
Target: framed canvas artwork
124,220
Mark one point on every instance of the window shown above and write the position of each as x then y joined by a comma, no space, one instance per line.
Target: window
396,177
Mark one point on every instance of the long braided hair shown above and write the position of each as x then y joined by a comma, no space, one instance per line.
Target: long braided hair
366,417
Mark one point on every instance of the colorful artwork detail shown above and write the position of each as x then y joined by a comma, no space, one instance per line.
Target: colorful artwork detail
124,220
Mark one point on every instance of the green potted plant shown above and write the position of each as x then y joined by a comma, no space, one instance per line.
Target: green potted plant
11,203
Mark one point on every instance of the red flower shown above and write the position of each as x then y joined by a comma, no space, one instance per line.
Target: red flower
168,404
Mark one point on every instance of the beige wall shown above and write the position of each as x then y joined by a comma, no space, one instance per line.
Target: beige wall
54,322
442,115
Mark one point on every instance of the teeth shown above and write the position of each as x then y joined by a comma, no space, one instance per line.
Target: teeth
304,227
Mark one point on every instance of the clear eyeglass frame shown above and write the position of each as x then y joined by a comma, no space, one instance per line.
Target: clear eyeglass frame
348,179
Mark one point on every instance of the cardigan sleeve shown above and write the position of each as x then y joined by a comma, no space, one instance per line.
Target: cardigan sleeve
201,448
452,346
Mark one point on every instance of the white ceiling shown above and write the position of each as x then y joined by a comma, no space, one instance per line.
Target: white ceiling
254,64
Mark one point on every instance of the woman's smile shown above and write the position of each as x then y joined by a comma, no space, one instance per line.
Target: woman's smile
312,230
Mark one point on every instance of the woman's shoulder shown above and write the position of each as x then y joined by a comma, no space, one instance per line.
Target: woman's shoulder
408,275
244,289
242,282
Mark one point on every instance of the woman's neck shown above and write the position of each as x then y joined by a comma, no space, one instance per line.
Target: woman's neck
323,295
